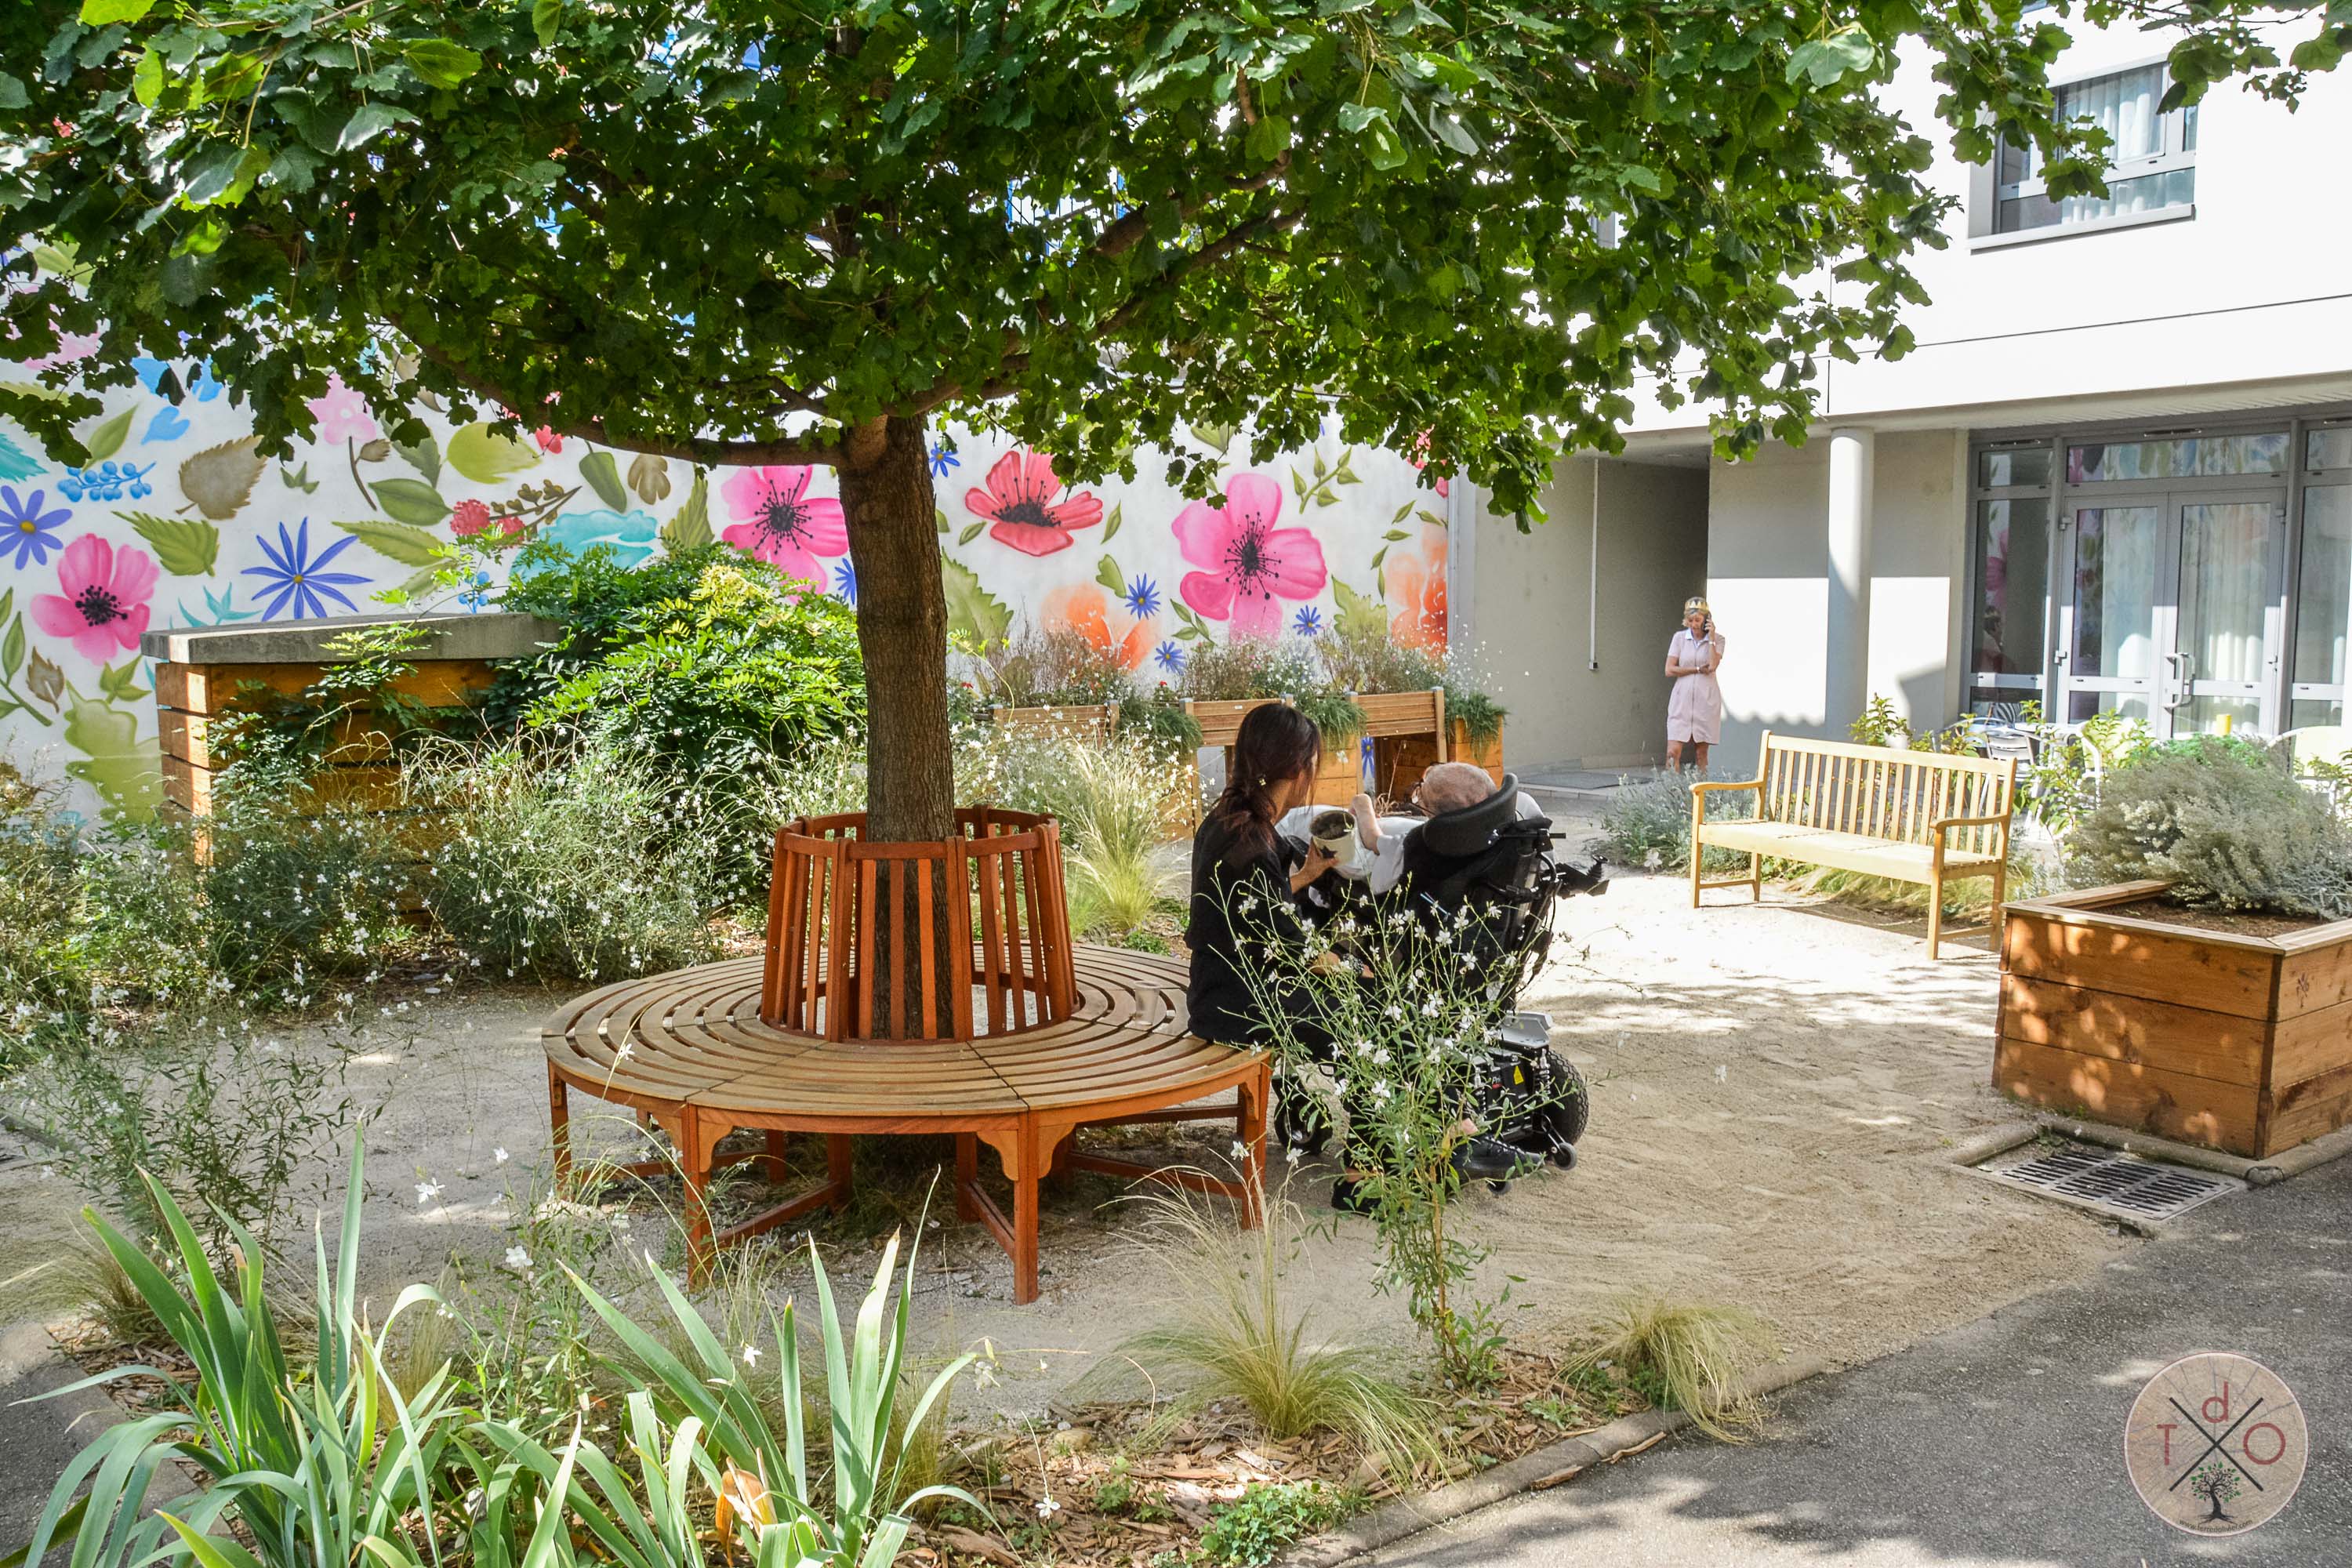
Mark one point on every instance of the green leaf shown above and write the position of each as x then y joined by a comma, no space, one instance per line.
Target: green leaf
370,120
546,16
120,682
399,541
691,529
1107,573
424,455
972,610
219,480
185,546
649,476
411,501
114,761
487,457
146,79
940,516
441,62
1358,617
1824,60
603,477
12,649
969,534
108,438
106,13
1110,523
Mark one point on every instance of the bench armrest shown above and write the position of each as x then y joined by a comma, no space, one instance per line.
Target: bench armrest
1744,783
1941,823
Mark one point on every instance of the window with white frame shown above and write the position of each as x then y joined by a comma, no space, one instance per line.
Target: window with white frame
2151,156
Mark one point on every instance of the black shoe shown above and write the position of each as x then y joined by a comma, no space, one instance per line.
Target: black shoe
1347,1196
1489,1160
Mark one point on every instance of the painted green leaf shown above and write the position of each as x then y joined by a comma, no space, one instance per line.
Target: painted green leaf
487,457
219,478
441,62
120,681
1107,573
12,649
603,477
1217,438
411,501
972,610
108,438
45,681
401,541
185,546
940,516
1110,524
106,13
115,762
649,476
691,529
424,455
969,534
1358,615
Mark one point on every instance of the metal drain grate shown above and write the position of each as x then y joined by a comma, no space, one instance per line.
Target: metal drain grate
2124,1185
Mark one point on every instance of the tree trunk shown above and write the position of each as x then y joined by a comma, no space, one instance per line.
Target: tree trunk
902,631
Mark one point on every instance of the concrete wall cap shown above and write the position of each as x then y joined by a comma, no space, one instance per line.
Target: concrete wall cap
496,634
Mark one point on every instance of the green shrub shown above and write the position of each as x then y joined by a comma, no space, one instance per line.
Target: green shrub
1647,822
592,596
293,891
571,863
1686,1356
1255,1528
1040,668
2226,823
1260,667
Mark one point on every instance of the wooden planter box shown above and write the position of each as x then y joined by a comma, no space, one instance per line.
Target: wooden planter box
2240,1043
1416,755
203,674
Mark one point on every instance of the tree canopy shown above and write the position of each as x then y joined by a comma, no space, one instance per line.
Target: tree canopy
748,230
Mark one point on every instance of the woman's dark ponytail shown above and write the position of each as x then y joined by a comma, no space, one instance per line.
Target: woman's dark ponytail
1275,743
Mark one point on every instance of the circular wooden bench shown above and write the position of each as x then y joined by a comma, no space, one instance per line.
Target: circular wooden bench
689,1052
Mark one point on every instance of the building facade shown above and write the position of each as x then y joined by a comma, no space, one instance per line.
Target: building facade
2115,476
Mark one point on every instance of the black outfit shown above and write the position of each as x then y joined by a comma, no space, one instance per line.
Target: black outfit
1229,943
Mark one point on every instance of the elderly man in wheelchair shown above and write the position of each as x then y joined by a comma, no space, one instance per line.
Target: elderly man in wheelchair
1468,883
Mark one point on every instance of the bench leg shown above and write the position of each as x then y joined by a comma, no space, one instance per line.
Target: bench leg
773,1161
1253,1097
1756,877
1935,913
694,1164
967,1176
1025,1217
1999,893
837,1168
558,1122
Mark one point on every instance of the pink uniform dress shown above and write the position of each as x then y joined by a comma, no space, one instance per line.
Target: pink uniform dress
1695,711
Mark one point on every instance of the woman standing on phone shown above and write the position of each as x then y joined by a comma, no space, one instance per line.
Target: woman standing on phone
1695,711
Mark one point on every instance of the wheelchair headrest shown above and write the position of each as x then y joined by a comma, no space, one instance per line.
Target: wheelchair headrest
1459,835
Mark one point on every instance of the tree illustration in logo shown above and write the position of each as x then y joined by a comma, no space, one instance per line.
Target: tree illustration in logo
2217,1483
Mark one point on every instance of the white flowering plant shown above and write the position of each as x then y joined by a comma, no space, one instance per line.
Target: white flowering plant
1409,1001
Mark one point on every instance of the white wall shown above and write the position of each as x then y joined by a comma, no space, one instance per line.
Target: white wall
1587,690
1768,578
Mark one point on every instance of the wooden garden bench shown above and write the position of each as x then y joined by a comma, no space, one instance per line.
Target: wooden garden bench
1912,816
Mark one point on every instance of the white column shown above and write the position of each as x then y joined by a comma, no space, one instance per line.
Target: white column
1848,632
1465,503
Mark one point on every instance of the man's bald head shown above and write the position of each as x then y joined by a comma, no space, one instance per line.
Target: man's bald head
1450,787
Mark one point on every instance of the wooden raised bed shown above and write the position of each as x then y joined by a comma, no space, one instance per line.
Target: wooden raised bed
2242,1043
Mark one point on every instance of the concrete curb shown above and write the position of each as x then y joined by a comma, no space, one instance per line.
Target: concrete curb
1537,1471
2301,1158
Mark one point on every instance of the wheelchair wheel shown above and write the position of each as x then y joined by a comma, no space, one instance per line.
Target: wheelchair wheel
1563,1157
1567,1106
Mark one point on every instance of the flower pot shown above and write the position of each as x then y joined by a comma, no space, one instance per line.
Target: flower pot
1486,753
2235,1041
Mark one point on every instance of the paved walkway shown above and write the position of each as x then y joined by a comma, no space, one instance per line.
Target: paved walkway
1998,1444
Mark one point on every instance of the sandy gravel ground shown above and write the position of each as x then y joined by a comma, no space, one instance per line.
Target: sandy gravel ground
1772,1088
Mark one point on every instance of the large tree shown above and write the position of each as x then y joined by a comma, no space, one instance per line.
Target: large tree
756,231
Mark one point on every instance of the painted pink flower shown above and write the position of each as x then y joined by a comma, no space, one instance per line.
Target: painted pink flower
100,605
1248,564
549,441
783,524
342,413
469,518
71,346
1420,460
1020,501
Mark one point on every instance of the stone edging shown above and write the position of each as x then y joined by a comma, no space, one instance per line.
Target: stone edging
1538,1471
2288,1163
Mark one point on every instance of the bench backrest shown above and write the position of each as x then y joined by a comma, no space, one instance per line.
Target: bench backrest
1895,795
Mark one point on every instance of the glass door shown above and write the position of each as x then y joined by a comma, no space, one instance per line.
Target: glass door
2108,654
2175,611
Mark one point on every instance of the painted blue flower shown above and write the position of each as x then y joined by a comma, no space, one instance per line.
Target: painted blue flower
942,460
1168,657
1308,622
845,579
107,481
1143,597
475,595
25,528
203,385
223,607
169,424
295,577
16,463
199,379
629,536
149,371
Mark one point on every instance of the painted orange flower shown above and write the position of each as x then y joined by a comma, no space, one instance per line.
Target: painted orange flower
1084,609
1416,585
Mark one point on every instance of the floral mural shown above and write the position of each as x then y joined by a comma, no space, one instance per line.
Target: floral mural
178,519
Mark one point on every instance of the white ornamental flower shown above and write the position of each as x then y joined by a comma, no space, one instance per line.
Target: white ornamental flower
426,1192
751,1355
499,1156
519,1259
1047,1508
1240,1149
